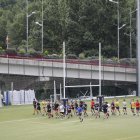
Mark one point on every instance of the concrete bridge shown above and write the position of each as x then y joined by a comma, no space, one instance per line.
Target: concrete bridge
74,69
79,69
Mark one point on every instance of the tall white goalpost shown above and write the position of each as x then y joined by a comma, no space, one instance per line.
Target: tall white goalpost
76,86
64,71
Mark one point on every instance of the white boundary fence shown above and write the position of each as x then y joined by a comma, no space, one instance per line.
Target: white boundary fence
19,97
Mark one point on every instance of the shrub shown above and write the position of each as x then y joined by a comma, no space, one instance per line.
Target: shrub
115,59
11,51
46,53
133,61
2,51
22,51
31,51
81,55
71,56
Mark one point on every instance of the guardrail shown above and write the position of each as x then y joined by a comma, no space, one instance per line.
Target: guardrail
72,61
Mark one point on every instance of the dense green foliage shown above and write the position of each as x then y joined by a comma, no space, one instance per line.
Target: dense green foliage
81,23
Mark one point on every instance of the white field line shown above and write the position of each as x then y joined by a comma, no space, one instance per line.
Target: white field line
40,117
19,120
22,120
52,124
127,138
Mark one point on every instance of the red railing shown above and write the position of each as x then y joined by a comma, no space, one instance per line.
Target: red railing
72,61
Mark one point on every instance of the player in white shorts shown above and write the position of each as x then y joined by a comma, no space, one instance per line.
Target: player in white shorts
124,104
61,110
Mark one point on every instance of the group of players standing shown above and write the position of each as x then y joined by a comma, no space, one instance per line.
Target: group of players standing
71,108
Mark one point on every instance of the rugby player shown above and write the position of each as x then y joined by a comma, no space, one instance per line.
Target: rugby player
137,107
117,105
62,110
79,113
113,107
85,109
56,107
92,103
97,110
105,110
35,106
49,109
124,104
43,104
132,103
68,108
75,107
38,108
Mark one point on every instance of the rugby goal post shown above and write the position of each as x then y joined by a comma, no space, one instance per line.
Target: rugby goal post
80,86
57,96
76,86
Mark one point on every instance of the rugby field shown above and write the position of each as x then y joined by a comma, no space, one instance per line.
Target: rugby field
18,123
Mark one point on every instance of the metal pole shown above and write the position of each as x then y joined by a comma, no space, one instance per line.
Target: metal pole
60,92
130,35
12,88
51,103
42,25
64,70
91,95
27,25
7,46
7,41
54,91
118,31
138,47
99,69
0,98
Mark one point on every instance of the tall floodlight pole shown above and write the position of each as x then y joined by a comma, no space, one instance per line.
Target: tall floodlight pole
42,49
130,34
7,42
118,27
64,70
27,22
118,14
27,25
100,69
138,47
42,28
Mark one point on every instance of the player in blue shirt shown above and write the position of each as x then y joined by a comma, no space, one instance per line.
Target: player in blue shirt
79,112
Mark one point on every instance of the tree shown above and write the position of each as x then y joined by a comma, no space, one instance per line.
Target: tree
82,24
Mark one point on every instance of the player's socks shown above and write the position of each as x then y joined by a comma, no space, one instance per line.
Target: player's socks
81,120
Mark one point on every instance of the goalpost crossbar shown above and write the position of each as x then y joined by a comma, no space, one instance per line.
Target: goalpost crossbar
76,86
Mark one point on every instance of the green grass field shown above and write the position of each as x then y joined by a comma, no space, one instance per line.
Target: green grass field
18,123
